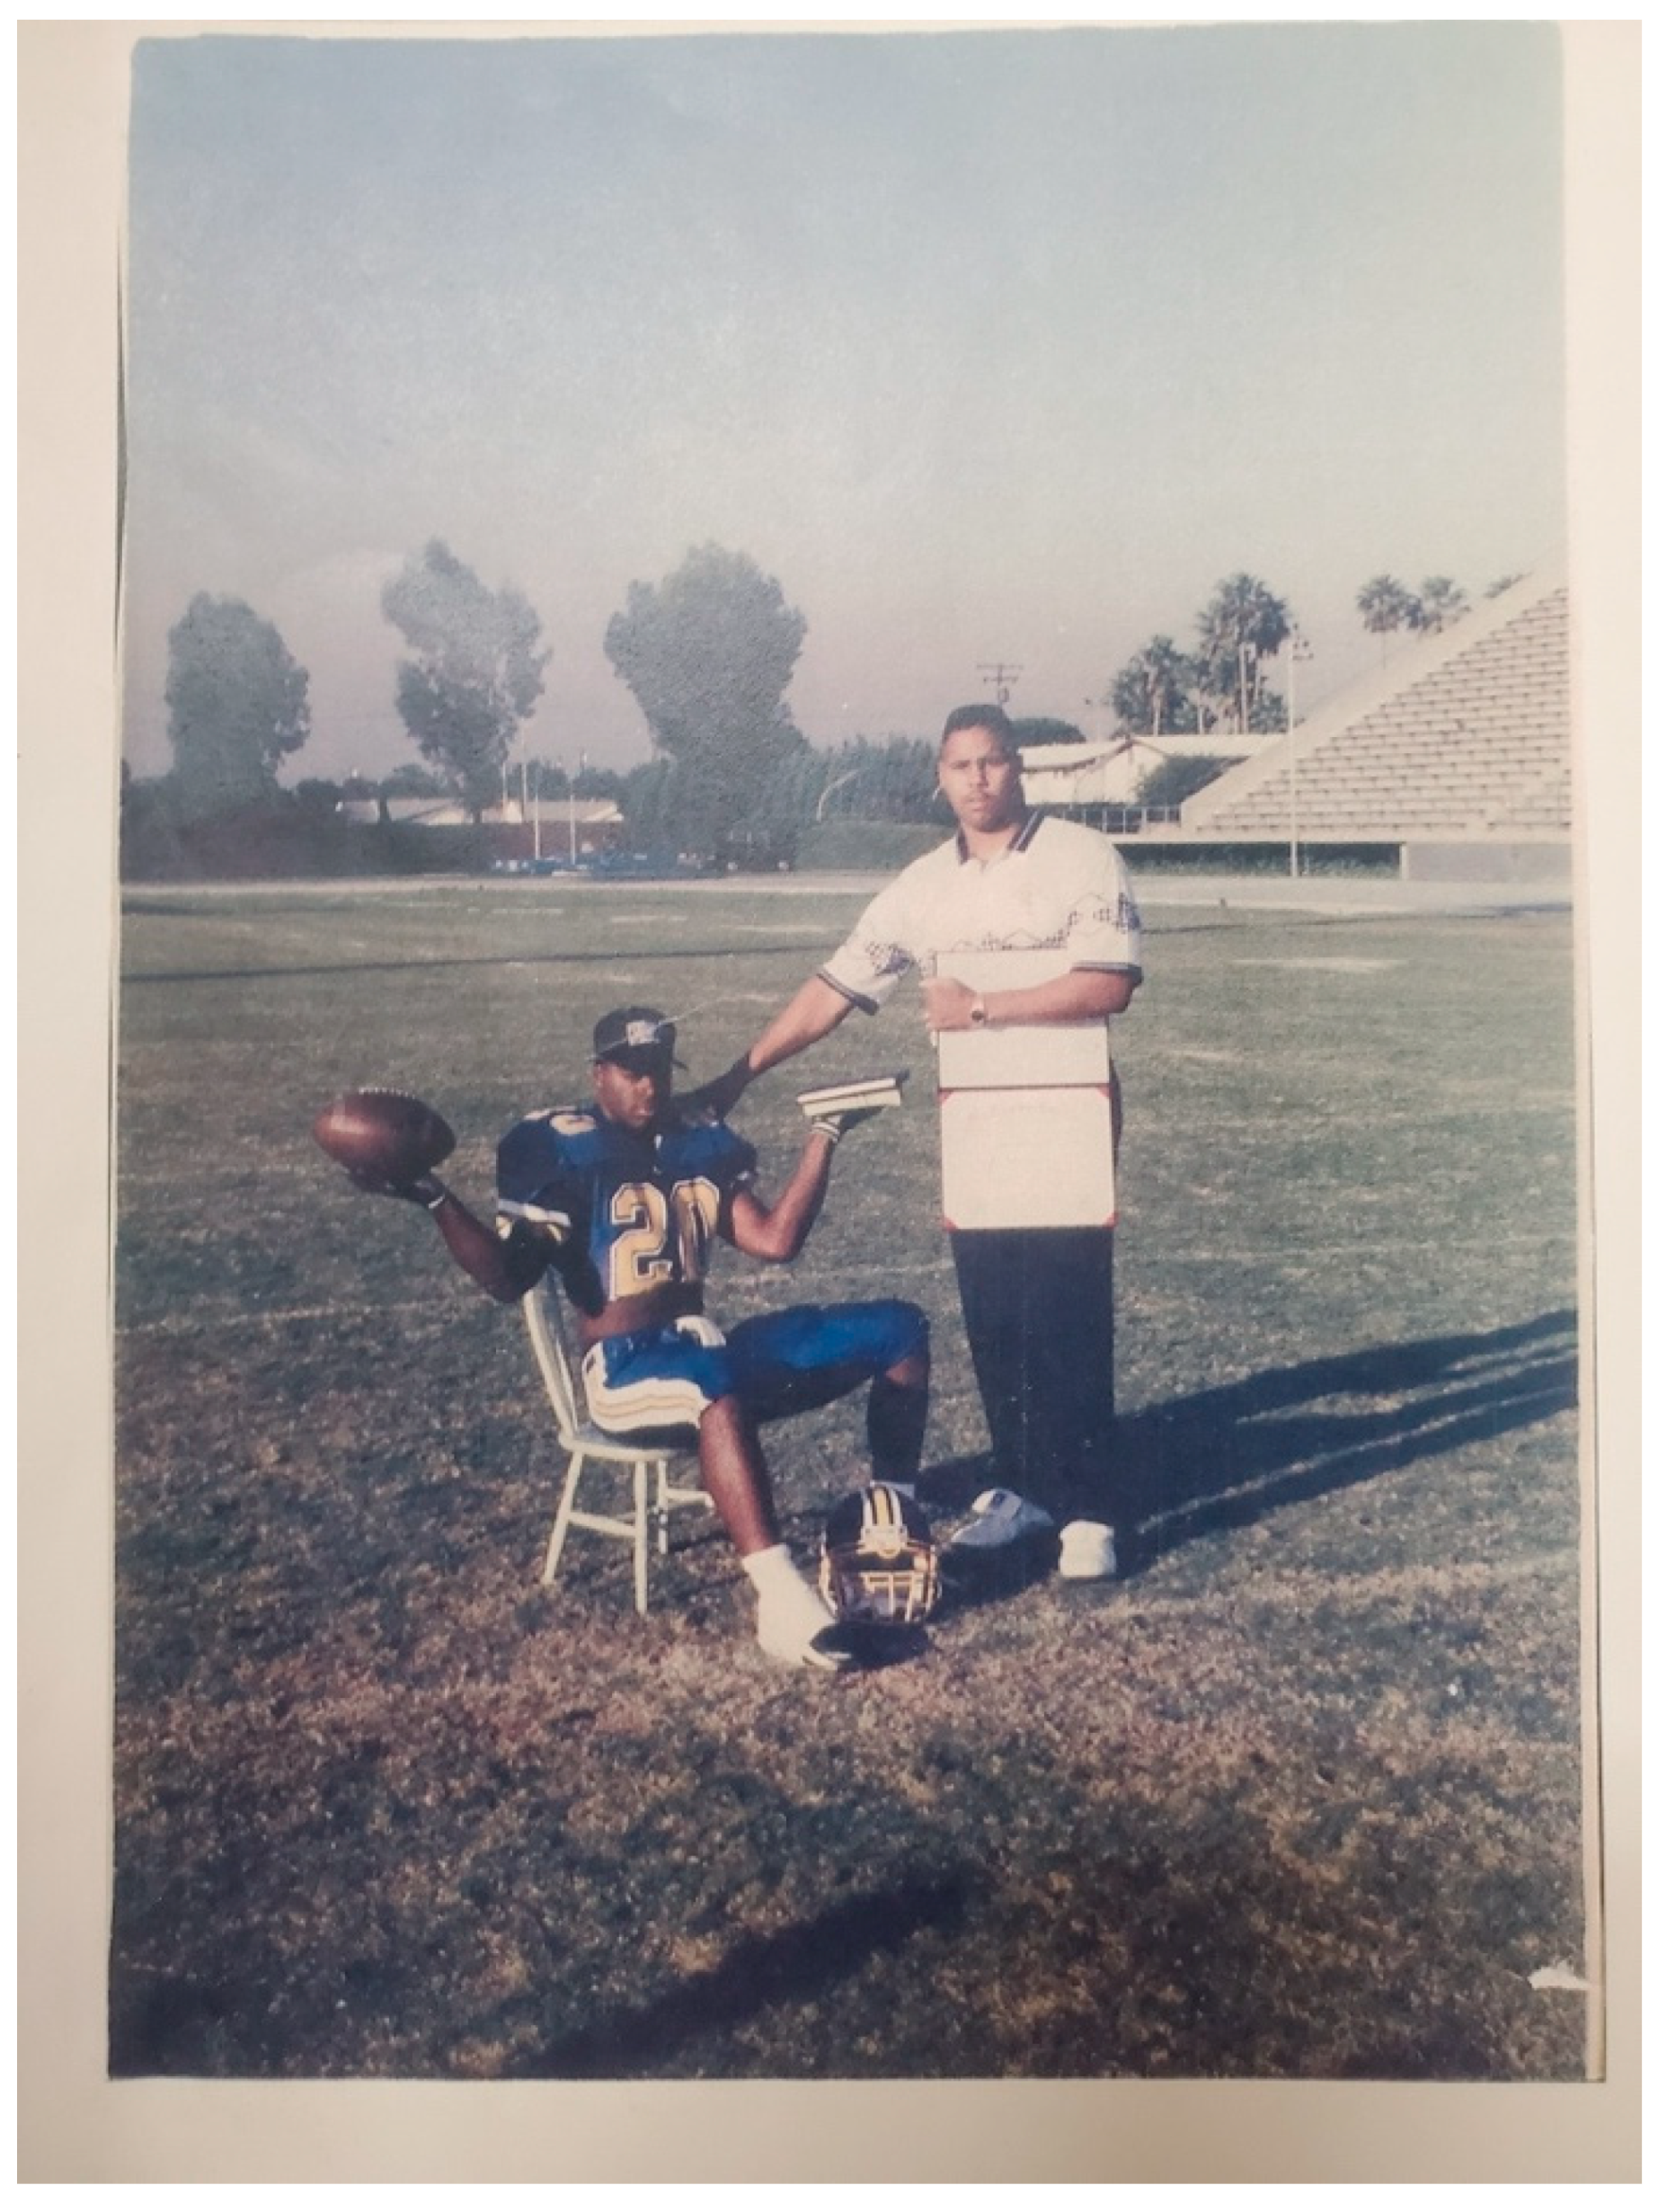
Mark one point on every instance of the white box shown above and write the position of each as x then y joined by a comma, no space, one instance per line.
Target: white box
1024,1109
1027,1158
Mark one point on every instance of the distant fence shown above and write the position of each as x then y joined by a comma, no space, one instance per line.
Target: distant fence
1121,820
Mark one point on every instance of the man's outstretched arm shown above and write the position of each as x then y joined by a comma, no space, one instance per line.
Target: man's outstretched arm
815,1009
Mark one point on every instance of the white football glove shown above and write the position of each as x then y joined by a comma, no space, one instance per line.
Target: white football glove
834,1123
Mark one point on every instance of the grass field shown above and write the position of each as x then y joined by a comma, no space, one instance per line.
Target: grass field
1299,1798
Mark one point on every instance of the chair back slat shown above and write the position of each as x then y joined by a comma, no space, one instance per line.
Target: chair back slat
545,1324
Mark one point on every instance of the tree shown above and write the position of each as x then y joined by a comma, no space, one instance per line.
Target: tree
475,671
708,653
769,832
551,779
712,648
409,780
237,701
1156,690
1268,709
1244,625
1495,590
1170,783
318,795
1385,606
894,780
1439,604
649,805
1046,730
593,783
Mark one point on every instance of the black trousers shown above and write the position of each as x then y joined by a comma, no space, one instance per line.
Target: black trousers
1037,1303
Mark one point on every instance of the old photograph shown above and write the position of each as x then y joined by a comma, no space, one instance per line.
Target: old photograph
848,1063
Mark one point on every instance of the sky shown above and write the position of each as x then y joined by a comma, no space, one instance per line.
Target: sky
993,347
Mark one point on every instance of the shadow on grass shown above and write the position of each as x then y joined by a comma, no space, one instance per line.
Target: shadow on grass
792,1967
1225,1458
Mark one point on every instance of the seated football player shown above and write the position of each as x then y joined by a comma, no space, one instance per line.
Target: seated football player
622,1198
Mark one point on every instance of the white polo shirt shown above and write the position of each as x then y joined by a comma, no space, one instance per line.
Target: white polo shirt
1057,885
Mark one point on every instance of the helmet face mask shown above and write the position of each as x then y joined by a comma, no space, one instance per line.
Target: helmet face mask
879,1563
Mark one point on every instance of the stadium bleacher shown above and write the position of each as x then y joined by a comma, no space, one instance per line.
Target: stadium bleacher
1463,742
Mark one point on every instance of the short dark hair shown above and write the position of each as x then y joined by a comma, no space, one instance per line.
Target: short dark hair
992,718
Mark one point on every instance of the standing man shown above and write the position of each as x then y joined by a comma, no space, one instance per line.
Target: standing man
622,1197
1037,1303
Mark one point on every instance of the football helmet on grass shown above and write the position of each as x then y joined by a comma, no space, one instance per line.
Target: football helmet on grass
879,1561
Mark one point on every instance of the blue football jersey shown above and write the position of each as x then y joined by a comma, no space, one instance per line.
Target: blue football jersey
646,1205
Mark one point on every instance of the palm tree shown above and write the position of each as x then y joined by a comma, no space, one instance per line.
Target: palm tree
1439,604
1243,624
1167,674
1152,692
1386,605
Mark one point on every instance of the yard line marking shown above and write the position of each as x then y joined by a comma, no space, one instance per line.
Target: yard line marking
253,1317
1519,1240
1331,964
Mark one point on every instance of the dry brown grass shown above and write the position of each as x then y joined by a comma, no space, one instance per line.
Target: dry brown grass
1299,1798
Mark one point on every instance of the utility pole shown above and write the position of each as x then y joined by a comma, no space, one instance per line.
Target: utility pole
1002,677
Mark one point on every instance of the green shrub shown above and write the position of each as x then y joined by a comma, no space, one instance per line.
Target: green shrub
877,845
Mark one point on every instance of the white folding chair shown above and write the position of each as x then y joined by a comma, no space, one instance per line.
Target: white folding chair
646,1458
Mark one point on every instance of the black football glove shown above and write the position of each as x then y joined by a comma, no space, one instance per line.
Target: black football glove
425,1190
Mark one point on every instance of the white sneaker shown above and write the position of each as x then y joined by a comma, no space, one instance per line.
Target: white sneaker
1087,1551
798,1628
1000,1517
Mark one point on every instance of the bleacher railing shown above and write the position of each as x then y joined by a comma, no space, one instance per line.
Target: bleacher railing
1123,820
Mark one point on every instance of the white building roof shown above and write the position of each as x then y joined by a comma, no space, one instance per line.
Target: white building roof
1109,773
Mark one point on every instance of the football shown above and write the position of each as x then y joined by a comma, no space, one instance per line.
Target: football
383,1134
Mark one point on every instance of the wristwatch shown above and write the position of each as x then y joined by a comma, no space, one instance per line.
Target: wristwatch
977,1013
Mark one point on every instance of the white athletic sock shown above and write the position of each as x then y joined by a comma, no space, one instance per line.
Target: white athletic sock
772,1569
791,1613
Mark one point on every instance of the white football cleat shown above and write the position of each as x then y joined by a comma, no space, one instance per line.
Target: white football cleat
1000,1517
1087,1551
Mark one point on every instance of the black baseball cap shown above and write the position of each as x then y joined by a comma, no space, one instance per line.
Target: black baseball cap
636,1037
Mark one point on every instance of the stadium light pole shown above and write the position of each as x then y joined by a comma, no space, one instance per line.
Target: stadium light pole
1300,649
828,789
580,770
